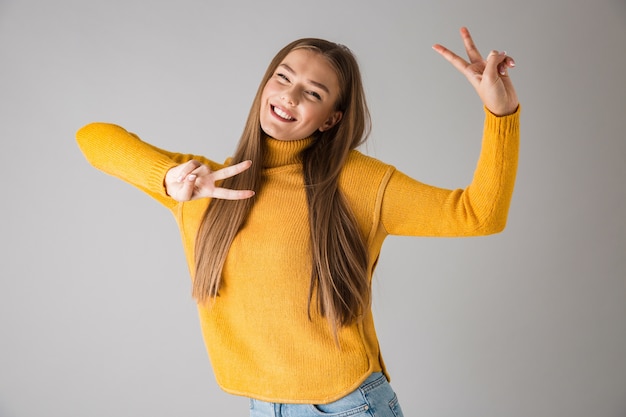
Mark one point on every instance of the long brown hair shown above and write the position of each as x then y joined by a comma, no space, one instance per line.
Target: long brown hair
339,278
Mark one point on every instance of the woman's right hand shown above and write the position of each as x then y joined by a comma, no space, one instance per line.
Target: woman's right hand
193,180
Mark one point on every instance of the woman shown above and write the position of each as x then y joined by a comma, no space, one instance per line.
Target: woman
282,240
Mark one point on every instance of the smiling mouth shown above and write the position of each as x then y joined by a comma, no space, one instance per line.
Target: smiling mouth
282,114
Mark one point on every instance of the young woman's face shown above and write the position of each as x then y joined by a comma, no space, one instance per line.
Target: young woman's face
300,97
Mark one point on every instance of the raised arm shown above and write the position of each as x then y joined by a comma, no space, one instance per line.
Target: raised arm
412,208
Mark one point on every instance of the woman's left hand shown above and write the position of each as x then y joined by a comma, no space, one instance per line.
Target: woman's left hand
489,77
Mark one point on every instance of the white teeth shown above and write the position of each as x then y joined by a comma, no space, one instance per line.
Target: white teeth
282,114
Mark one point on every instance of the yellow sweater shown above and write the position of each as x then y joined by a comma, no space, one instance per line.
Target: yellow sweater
258,335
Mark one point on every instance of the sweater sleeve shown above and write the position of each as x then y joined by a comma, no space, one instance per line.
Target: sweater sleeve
117,152
416,209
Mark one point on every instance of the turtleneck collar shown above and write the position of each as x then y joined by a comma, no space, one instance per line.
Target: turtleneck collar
283,152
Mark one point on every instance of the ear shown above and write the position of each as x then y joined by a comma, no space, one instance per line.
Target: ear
332,120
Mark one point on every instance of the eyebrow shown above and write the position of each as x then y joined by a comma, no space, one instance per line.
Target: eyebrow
315,83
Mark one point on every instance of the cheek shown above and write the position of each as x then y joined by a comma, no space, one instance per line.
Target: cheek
269,89
322,115
264,95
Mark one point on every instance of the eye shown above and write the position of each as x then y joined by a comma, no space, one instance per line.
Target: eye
314,94
282,76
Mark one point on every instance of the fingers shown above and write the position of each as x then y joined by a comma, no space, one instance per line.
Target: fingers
182,171
193,169
475,56
472,72
504,66
231,171
193,180
202,181
186,189
498,64
179,181
470,47
458,62
228,194
477,67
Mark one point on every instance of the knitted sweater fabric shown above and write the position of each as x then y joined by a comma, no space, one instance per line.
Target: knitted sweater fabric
259,336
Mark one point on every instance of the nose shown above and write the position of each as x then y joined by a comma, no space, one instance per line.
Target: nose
287,99
289,96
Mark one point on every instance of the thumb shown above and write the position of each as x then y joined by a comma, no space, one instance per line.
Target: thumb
496,65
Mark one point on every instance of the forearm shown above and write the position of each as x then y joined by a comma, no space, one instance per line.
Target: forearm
112,149
412,208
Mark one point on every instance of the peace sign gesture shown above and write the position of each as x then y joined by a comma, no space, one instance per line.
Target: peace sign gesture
193,180
489,77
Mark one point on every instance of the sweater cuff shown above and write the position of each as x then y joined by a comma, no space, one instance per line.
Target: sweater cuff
503,124
157,174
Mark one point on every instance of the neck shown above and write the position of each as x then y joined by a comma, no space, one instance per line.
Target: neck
280,152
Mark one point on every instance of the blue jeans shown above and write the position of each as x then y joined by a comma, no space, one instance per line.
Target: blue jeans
374,398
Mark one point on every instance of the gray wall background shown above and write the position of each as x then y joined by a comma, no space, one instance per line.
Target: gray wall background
95,313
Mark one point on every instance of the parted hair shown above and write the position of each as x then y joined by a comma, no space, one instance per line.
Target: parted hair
339,287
